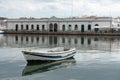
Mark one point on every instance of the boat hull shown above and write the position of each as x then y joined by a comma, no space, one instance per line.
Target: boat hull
33,56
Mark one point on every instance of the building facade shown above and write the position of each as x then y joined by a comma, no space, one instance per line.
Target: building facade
54,24
116,22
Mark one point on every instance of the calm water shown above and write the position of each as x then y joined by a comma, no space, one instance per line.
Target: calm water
97,58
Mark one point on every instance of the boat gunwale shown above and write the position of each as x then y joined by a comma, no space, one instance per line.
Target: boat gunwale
48,52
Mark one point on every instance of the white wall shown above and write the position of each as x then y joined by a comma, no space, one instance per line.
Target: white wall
11,24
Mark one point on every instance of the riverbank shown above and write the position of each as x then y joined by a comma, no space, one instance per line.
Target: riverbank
65,33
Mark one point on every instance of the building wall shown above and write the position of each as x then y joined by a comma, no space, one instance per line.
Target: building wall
11,24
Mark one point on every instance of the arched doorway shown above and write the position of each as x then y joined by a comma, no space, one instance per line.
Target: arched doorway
89,27
70,26
96,29
82,28
32,27
16,27
37,27
63,27
51,27
27,27
76,27
22,27
55,27
43,27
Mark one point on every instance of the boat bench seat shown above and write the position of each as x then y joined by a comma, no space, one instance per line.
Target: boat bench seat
57,49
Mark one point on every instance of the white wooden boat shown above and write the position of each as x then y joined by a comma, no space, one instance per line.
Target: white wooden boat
49,55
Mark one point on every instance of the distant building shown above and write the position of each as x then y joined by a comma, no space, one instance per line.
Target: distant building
116,22
54,24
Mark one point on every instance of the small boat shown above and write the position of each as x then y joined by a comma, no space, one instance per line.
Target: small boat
49,55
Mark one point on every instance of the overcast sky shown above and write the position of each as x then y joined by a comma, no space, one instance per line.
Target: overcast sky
58,8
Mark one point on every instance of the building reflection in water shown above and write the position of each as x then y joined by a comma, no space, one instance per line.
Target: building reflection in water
80,42
34,67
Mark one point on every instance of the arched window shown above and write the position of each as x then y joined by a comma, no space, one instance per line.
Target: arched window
51,27
69,27
22,27
16,27
27,27
55,27
89,27
37,27
32,27
43,27
76,27
96,25
82,28
63,27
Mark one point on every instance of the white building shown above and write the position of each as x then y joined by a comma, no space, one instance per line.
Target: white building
54,24
116,22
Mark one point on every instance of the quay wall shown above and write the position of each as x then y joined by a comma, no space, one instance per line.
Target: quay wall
64,33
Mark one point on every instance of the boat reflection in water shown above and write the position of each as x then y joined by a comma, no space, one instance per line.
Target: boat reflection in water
39,67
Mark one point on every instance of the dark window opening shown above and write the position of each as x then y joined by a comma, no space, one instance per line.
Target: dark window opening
82,28
51,27
32,27
96,29
96,25
27,27
89,27
69,27
43,27
55,27
21,27
76,27
38,27
63,28
16,27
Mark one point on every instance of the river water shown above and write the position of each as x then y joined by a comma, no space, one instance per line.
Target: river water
97,58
